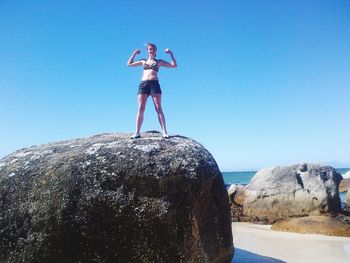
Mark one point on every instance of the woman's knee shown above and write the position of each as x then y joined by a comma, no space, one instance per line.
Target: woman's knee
158,108
142,108
142,99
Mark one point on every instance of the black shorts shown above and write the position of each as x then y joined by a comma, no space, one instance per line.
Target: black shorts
149,87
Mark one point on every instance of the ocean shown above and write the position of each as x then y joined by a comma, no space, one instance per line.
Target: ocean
244,177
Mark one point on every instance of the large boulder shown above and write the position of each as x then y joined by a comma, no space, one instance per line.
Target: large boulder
108,198
292,191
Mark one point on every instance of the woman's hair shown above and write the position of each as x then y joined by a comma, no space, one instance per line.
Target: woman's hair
151,45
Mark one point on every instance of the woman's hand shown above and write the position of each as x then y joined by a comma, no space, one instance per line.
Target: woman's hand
173,63
131,62
168,51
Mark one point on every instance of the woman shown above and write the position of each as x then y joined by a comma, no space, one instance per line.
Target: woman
150,85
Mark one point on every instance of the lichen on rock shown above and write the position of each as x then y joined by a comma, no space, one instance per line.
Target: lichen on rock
108,198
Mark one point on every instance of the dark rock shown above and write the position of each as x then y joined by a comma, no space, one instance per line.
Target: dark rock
111,199
293,191
303,167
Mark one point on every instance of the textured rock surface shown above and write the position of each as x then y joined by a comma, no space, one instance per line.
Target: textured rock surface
111,199
324,225
292,191
348,198
344,185
236,195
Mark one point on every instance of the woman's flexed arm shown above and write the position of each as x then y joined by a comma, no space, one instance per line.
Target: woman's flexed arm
131,62
173,63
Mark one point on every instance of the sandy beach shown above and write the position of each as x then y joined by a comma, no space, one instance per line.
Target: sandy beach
258,243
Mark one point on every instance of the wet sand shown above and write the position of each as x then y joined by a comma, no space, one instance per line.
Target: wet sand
258,243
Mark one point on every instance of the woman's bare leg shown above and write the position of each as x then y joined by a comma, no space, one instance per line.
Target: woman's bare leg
142,100
157,100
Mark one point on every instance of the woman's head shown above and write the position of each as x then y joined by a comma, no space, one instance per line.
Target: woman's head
151,49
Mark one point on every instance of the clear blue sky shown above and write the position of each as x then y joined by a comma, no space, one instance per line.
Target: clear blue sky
259,83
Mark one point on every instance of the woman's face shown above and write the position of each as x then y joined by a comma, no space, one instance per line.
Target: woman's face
151,50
